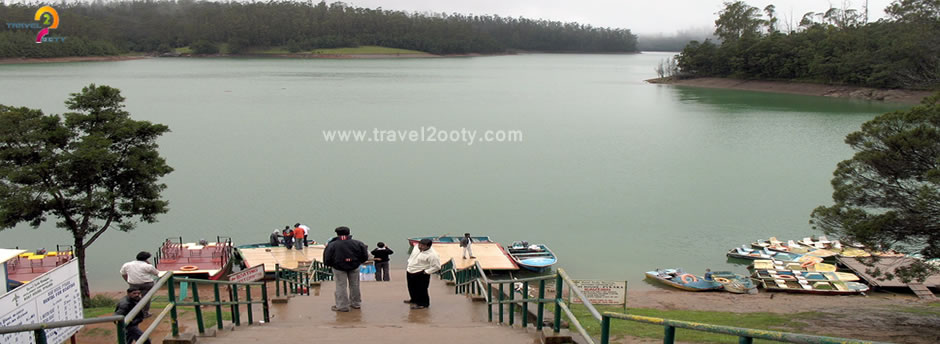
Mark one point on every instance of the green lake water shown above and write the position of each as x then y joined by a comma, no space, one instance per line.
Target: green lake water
617,176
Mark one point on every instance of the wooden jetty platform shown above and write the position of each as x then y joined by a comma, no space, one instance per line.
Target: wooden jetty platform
491,256
889,265
383,318
269,256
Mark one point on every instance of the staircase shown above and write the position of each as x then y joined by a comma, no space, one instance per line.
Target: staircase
451,319
922,291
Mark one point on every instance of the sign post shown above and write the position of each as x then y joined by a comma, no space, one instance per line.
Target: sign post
53,296
254,273
603,292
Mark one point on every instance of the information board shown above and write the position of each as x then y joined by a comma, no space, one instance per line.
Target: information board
53,296
254,273
602,292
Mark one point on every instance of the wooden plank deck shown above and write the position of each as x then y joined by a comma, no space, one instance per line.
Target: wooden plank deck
886,265
490,255
269,256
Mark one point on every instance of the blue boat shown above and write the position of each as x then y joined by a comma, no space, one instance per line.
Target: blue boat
682,280
447,239
535,257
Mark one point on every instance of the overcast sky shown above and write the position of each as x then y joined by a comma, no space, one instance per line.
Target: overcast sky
640,16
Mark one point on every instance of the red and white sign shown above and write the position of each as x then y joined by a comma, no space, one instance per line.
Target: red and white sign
254,273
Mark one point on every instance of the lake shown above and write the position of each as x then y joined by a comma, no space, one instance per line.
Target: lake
617,176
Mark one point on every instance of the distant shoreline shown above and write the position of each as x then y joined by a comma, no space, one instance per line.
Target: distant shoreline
802,88
19,60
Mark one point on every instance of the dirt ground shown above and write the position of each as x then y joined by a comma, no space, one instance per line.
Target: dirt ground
900,96
898,318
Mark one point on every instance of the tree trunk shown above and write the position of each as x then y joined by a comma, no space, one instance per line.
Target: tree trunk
82,277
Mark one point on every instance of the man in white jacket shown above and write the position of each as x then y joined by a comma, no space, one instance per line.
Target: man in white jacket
423,262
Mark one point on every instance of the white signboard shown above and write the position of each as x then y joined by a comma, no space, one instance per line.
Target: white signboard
254,273
602,292
53,296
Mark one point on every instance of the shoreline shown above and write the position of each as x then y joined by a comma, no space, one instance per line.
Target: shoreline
20,60
25,60
802,88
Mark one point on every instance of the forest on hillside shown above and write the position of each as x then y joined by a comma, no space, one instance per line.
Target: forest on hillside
837,46
108,28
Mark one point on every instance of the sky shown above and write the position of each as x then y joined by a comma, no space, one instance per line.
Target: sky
640,16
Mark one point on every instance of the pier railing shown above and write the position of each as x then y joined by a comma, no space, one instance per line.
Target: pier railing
473,280
121,321
298,281
745,335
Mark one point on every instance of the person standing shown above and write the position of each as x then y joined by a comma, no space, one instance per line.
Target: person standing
299,234
466,242
139,274
421,264
132,330
345,255
306,232
380,256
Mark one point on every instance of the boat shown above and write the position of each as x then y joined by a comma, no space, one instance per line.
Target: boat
26,265
802,284
762,253
808,265
682,280
447,239
811,276
202,259
535,257
734,283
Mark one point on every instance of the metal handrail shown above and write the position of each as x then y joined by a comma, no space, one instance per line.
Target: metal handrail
58,324
746,334
577,291
577,324
145,300
166,310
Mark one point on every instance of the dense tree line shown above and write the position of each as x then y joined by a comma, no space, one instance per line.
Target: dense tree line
152,26
835,47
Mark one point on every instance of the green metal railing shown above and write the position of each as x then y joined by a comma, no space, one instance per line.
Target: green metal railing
298,281
473,280
234,304
745,335
171,282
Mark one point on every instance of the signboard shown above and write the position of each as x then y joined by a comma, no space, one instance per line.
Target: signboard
254,273
53,296
602,292
598,292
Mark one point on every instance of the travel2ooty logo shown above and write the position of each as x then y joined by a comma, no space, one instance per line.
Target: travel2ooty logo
46,19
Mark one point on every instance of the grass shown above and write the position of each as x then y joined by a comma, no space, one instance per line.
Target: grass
184,50
94,312
208,317
930,309
794,322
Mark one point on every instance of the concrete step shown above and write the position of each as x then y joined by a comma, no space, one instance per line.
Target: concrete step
384,317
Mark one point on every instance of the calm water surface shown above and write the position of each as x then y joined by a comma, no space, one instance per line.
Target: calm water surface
616,175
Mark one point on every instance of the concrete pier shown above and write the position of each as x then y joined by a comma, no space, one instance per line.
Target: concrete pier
384,318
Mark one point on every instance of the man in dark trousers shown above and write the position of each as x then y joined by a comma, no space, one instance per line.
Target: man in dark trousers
345,255
124,306
380,256
423,262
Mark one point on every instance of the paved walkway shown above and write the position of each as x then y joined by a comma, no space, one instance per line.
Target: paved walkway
451,319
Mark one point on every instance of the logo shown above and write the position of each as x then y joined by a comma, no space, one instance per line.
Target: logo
46,16
46,19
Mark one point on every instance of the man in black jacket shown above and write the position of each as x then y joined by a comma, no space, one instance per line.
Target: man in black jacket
345,255
380,255
124,306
